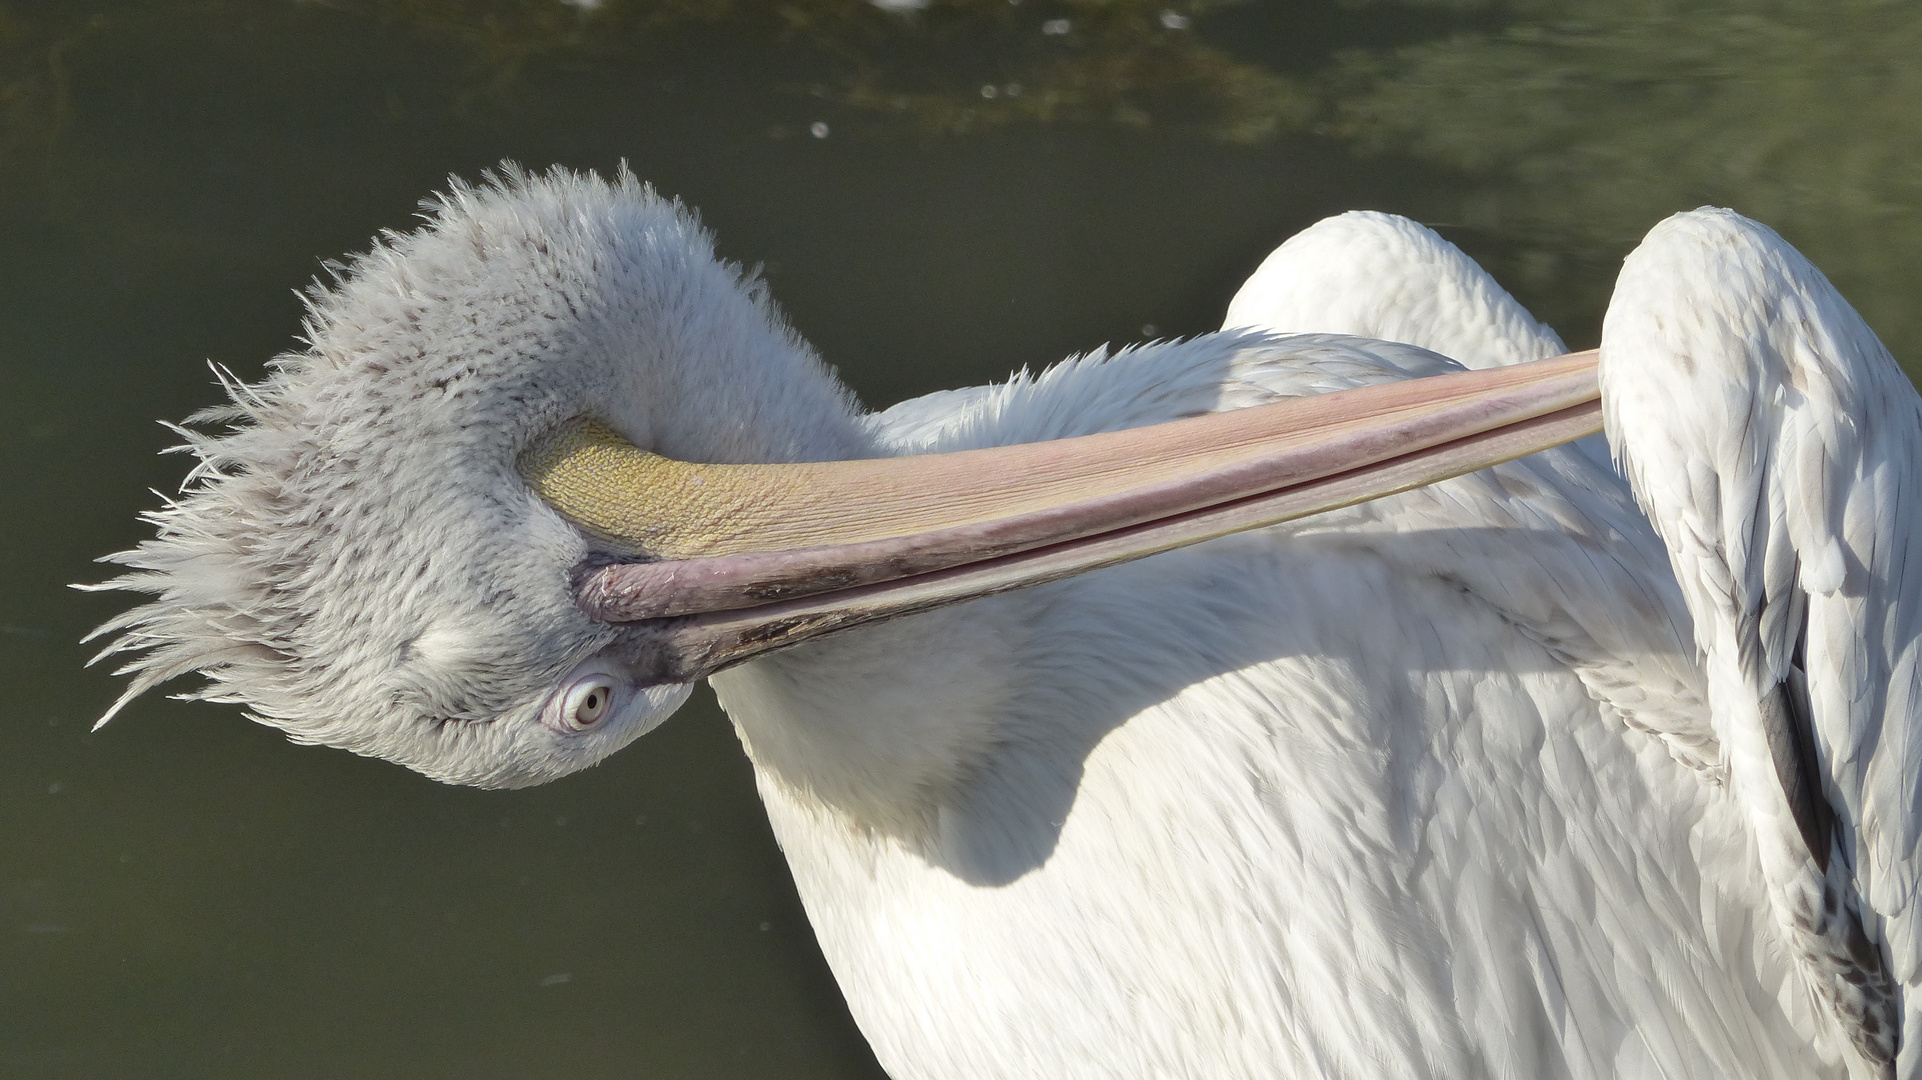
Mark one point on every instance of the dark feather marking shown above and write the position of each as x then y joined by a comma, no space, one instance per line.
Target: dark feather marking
1791,739
1863,995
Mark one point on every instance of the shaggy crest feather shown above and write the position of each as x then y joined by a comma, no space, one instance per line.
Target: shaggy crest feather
288,574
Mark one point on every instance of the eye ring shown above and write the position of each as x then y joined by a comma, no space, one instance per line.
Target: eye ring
587,703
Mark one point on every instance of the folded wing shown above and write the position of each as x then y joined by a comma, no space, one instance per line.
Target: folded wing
1774,444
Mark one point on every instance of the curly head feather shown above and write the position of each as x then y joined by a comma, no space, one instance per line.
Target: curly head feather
356,559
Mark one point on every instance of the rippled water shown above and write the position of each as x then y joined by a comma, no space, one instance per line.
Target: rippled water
938,197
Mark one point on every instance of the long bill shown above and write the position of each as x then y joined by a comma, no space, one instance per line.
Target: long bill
720,563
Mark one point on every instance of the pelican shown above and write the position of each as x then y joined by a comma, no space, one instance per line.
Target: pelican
1283,702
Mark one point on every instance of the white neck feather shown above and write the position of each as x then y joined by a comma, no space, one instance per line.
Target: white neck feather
881,723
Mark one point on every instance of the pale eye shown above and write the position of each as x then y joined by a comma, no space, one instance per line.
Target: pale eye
588,702
598,696
593,704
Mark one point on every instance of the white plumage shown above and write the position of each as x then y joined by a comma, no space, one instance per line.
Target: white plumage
1380,276
1773,443
1431,786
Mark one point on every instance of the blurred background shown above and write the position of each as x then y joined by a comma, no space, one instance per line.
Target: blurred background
939,192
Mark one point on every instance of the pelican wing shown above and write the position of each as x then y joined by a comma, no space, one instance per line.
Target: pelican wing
1382,276
1773,442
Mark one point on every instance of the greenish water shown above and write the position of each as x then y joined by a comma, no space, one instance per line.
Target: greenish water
187,895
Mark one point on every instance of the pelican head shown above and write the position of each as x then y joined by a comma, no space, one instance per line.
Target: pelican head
547,461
